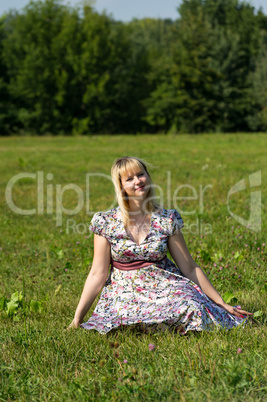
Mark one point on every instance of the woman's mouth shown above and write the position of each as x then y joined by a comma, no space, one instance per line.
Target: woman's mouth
139,188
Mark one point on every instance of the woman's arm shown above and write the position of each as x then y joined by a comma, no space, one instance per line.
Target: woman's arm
192,271
95,280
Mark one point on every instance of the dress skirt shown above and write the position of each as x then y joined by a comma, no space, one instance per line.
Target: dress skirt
155,297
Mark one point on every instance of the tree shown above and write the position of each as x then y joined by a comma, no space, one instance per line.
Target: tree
8,117
32,64
212,58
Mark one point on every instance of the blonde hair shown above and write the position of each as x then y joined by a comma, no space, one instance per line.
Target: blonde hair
120,167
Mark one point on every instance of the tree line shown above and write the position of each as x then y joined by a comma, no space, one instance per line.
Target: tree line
66,70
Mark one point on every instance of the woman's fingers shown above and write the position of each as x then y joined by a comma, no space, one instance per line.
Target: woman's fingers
74,324
240,313
236,311
244,312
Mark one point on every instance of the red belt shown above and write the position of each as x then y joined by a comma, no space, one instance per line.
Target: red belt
137,264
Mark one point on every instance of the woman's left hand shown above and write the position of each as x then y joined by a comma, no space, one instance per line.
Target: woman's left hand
234,310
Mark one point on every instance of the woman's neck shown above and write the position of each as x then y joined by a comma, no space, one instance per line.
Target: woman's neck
137,208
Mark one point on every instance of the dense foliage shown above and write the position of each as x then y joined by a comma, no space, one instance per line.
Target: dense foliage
75,71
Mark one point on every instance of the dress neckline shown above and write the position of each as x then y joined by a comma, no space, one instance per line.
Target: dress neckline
130,238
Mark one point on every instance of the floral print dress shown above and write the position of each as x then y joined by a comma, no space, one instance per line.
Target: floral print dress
157,295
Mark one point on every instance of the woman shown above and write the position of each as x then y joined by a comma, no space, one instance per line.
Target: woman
144,286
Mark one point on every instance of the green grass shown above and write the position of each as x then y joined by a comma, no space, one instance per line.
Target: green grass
40,360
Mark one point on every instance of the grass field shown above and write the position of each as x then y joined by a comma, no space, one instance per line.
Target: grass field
45,258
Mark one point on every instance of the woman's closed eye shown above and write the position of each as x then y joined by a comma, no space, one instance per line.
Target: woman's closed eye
138,175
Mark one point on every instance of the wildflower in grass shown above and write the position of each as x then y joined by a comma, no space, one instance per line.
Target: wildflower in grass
151,347
78,242
215,265
221,268
239,350
125,361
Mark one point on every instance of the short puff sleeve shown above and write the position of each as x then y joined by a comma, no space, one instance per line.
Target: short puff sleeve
176,222
98,224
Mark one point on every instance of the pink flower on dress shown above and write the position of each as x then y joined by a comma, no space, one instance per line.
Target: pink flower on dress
152,273
120,236
142,277
139,289
172,278
153,295
179,292
120,289
146,312
155,225
153,255
129,253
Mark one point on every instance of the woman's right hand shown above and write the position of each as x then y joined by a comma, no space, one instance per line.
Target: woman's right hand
74,324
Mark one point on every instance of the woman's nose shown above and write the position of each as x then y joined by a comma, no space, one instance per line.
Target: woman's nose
137,179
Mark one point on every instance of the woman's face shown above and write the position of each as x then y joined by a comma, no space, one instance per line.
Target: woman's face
135,183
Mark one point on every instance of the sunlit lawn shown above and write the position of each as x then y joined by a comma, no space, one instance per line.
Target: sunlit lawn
46,257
